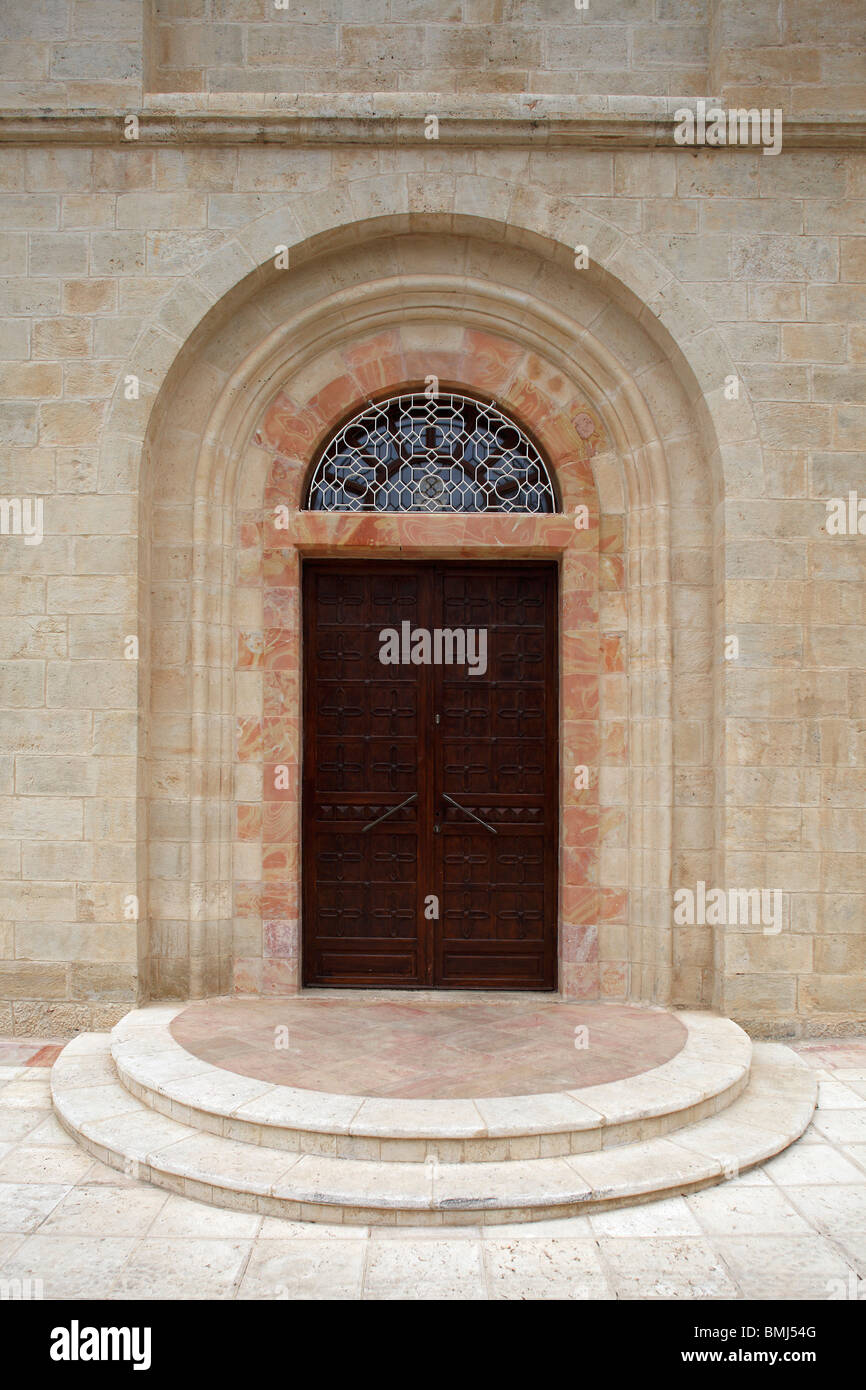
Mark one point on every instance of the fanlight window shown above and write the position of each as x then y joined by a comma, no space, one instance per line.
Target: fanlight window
444,453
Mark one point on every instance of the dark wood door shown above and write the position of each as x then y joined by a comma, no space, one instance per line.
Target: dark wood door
430,777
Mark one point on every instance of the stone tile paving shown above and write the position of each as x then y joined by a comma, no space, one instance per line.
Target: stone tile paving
450,1050
795,1229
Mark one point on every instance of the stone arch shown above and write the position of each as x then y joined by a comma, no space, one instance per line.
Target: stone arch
640,378
527,216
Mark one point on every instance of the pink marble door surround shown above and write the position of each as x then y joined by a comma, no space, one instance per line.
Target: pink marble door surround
273,539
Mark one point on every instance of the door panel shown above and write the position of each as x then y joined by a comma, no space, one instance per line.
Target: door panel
497,759
475,754
362,758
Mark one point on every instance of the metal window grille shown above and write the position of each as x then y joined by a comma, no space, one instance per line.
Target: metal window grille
444,453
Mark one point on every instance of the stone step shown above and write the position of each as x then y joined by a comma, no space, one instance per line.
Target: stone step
116,1127
709,1072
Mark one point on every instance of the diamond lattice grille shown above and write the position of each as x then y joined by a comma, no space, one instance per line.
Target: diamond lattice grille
444,453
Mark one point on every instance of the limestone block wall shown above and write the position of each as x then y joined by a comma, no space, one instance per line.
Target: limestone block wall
802,55
143,260
70,54
636,46
805,56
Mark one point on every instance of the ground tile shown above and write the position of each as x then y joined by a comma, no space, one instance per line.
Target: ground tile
304,1269
842,1126
17,1124
812,1163
112,1211
424,1269
99,1174
559,1268
30,1088
278,1228
23,1206
834,1095
788,1267
51,1133
45,1163
70,1266
680,1267
182,1269
428,1232
832,1209
669,1217
570,1227
181,1216
736,1210
852,1247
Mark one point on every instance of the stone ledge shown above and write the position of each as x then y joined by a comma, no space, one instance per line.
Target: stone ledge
709,1072
550,122
111,1125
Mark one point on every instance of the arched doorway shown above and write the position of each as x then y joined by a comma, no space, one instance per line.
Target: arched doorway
430,788
569,363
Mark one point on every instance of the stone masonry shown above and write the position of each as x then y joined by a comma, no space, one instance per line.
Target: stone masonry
699,383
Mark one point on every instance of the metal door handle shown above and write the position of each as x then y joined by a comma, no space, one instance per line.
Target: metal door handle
469,813
370,824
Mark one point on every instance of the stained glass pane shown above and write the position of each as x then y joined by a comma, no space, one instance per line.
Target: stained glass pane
444,453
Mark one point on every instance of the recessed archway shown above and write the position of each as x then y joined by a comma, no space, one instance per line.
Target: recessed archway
577,346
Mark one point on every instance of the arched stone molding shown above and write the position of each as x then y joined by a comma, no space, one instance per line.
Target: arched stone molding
658,471
358,211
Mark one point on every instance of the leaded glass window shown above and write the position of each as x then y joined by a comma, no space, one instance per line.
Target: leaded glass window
443,453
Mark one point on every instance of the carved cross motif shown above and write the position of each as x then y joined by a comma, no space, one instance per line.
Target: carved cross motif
522,602
343,648
465,768
340,914
393,767
340,709
460,852
392,914
400,850
341,602
467,914
521,768
520,659
523,917
392,711
469,608
466,712
341,767
521,861
339,855
519,710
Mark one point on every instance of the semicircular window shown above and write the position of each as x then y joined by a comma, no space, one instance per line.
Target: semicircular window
444,453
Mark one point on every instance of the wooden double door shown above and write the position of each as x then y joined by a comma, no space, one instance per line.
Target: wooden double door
430,784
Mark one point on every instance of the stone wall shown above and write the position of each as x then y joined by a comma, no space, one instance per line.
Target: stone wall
648,46
803,55
154,259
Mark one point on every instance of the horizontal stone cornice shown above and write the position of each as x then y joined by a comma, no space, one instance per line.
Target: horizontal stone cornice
399,119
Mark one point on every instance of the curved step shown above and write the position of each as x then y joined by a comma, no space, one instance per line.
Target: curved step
115,1127
709,1072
